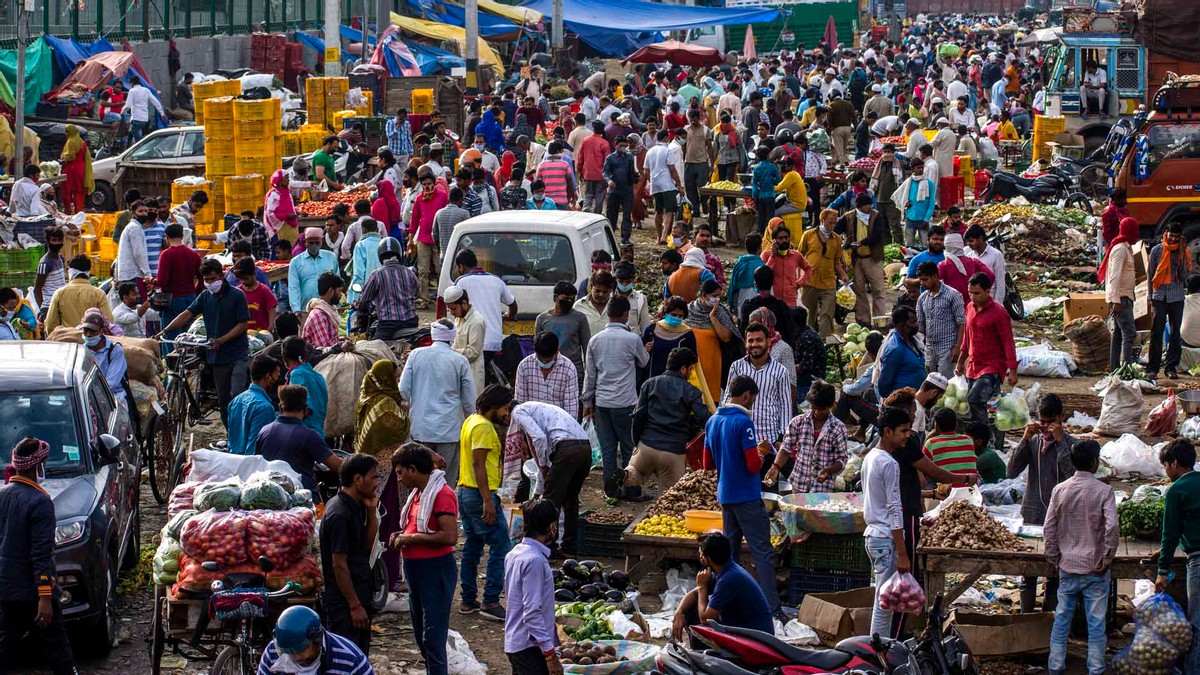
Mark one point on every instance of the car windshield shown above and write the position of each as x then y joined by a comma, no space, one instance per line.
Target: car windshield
523,259
49,416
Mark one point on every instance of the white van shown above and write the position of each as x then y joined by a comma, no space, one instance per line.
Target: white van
531,251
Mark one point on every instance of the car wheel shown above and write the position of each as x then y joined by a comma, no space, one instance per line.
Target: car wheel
133,548
98,638
103,198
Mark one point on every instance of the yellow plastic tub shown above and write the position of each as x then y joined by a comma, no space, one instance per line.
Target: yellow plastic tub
702,521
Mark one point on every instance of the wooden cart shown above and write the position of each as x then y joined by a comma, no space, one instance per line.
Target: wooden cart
175,619
713,197
644,552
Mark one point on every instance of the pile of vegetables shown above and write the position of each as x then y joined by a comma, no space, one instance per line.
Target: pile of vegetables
663,526
1162,635
902,593
856,341
585,653
50,169
1012,412
1141,515
955,397
963,525
697,490
725,185
1040,230
1129,372
864,164
892,253
606,518
594,617
587,581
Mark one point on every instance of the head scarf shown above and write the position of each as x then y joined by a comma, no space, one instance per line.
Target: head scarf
767,318
506,165
1130,233
71,150
493,135
278,209
1173,256
19,464
386,208
8,140
382,422
954,248
442,333
693,258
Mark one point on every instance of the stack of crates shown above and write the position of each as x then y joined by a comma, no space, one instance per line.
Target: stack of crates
311,136
98,240
208,218
827,563
219,159
1044,130
340,116
203,91
368,108
244,193
258,146
335,95
291,143
324,96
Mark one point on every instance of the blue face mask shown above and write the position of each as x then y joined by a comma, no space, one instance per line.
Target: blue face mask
91,340
624,288
673,321
546,365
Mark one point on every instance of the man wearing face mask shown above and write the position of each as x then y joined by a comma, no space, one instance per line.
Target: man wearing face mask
862,231
226,316
133,255
621,174
639,309
792,270
247,229
9,301
570,326
50,274
253,409
29,597
305,269
546,376
69,304
303,646
109,355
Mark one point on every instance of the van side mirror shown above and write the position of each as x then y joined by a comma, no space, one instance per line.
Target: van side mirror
108,448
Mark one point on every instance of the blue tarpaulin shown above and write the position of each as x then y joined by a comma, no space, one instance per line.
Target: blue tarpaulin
431,60
317,44
68,53
614,42
637,16
491,27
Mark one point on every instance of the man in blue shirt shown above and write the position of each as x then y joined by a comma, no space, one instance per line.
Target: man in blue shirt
936,252
724,592
252,409
301,372
226,316
306,268
731,447
901,361
288,439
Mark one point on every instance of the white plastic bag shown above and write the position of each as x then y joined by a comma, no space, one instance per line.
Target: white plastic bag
534,474
679,584
955,397
1190,429
1129,457
460,660
959,494
597,455
215,466
1044,361
1121,410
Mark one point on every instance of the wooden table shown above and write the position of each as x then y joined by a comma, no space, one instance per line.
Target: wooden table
713,195
644,552
938,562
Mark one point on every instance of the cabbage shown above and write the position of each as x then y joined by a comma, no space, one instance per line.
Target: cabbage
264,494
221,496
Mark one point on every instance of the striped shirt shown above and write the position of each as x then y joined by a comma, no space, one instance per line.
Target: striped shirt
773,407
953,452
938,317
445,220
391,290
53,267
399,137
154,243
339,657
559,180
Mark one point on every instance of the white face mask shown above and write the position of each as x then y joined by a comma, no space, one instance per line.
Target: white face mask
215,287
862,217
286,664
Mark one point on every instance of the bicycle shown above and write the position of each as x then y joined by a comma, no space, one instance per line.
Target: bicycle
186,404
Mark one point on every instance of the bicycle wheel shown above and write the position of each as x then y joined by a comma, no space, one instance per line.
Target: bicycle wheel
160,442
176,424
233,660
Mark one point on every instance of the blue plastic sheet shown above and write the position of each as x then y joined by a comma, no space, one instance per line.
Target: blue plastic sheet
639,16
490,26
431,60
68,53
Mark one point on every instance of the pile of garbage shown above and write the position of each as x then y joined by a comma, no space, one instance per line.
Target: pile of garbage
1042,233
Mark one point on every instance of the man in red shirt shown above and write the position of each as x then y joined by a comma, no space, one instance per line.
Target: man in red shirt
259,299
589,166
988,352
178,272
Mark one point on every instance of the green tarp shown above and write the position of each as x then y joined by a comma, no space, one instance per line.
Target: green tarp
39,74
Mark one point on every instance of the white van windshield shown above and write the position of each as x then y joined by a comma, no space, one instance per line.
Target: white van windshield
523,259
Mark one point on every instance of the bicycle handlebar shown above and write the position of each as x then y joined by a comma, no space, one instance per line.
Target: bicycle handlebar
186,343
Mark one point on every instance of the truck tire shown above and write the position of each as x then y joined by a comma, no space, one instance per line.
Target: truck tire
103,198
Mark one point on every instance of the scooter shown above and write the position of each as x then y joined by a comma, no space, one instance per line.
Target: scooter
1052,187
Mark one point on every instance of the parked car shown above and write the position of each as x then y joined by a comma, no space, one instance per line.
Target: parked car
531,251
179,148
55,392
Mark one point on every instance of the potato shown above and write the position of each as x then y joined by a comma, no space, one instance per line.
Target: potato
585,661
607,658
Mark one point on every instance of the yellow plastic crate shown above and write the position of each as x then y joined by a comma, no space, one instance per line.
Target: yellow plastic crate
291,143
316,117
256,131
218,108
1049,125
181,192
217,166
219,128
236,205
337,85
310,141
262,148
218,146
314,88
342,115
243,186
267,109
279,148
422,101
107,247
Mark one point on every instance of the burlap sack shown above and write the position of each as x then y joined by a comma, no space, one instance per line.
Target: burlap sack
142,356
343,375
1090,340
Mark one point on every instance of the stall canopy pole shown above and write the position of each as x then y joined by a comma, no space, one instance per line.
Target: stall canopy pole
333,39
471,48
557,31
23,10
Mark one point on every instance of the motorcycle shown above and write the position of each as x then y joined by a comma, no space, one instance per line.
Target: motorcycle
1055,186
1012,302
741,651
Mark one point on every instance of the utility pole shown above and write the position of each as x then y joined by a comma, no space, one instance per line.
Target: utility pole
894,21
471,48
557,32
24,8
333,38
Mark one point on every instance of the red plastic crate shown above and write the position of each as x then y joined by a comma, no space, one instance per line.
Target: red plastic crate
950,192
981,183
295,55
276,41
258,41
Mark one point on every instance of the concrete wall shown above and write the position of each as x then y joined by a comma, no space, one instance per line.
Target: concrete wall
203,55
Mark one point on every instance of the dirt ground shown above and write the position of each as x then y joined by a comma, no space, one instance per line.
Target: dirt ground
393,647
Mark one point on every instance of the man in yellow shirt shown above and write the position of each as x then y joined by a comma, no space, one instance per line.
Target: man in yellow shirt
823,249
483,520
68,303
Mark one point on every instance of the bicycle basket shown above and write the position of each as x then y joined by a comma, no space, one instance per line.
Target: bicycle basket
242,603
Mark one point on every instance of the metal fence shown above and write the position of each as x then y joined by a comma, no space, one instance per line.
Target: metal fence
144,20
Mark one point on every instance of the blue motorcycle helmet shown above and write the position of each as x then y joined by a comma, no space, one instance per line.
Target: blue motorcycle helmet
297,628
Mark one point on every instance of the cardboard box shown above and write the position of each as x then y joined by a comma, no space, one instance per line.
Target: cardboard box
1084,304
837,616
990,635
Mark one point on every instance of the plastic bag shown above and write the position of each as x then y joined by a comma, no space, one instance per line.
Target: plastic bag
460,660
1162,635
1129,457
282,536
597,456
902,593
955,397
165,564
182,499
960,494
221,496
1044,361
282,479
264,494
534,474
175,524
1164,418
1012,411
219,536
845,297
214,465
1190,429
1121,409
302,498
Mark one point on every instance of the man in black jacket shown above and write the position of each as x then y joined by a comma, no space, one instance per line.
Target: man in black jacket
670,412
28,581
621,175
764,281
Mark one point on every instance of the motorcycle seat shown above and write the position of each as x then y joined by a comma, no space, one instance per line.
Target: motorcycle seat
822,659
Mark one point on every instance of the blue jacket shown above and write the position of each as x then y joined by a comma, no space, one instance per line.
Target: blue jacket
249,412
845,201
26,542
920,211
900,366
923,256
742,276
765,177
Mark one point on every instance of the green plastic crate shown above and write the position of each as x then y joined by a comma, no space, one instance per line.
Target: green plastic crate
841,552
21,259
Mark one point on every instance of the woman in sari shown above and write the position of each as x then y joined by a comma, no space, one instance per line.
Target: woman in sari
8,142
381,426
76,162
386,210
781,351
279,213
712,325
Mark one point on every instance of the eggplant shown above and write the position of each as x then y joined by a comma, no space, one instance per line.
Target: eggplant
591,564
564,595
614,596
589,592
597,575
574,570
557,575
571,585
618,579
602,587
